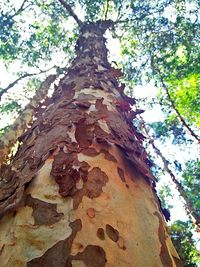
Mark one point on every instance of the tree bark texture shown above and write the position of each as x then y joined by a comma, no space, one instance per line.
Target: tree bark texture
80,192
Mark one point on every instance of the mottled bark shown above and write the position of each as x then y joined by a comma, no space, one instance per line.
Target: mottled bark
80,190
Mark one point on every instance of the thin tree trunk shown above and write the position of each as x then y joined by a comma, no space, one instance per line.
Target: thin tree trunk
188,207
25,118
80,190
179,116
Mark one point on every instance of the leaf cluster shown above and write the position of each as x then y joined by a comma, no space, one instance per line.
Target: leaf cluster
182,238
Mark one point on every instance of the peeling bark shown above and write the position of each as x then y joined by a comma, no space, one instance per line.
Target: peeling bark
83,161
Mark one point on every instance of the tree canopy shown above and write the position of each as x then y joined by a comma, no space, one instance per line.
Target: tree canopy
158,44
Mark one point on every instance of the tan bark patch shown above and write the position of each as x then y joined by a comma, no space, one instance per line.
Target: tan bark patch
78,263
130,212
43,212
90,151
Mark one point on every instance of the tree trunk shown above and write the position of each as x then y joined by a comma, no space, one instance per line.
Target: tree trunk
80,191
187,204
25,118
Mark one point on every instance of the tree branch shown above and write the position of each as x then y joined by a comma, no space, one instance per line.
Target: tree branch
71,12
106,12
176,110
21,8
4,90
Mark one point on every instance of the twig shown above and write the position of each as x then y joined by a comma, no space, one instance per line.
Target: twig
119,11
107,7
21,8
71,12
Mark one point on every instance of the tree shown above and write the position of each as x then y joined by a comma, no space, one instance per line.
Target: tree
181,233
183,241
79,191
187,188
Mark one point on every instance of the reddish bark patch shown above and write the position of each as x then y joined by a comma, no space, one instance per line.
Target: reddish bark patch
123,105
83,170
117,73
43,212
108,156
12,201
59,254
84,134
112,233
92,188
96,180
64,172
164,253
120,243
91,212
92,256
130,100
102,109
121,174
101,234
